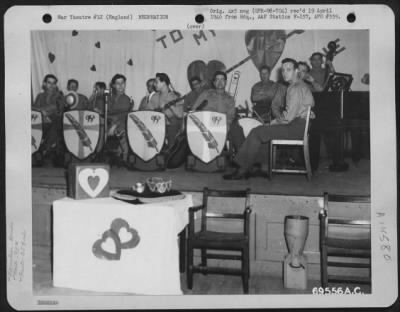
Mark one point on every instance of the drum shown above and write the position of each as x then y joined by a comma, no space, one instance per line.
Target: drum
248,123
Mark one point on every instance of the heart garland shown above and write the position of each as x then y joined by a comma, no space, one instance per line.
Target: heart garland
119,236
97,44
130,62
93,68
74,33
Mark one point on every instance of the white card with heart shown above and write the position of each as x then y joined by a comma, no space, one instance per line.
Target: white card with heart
88,181
329,49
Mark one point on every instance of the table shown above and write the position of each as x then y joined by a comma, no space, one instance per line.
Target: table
84,243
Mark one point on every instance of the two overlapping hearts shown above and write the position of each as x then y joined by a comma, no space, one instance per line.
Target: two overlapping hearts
119,236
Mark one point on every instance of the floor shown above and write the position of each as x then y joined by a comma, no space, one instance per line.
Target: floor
202,284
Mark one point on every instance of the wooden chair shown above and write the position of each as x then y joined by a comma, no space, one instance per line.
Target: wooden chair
351,249
205,240
282,142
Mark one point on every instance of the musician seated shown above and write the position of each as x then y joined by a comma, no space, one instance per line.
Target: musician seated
151,90
197,88
50,103
74,100
217,100
165,100
97,99
119,105
267,96
304,74
290,125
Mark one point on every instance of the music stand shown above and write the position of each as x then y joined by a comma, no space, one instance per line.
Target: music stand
339,82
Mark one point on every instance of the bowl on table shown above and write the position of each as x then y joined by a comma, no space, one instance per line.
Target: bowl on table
159,185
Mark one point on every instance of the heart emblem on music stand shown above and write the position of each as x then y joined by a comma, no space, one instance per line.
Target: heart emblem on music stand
128,236
93,181
108,247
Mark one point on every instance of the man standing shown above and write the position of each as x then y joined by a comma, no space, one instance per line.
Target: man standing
119,106
217,100
318,73
267,96
96,100
82,101
151,89
50,103
289,125
173,113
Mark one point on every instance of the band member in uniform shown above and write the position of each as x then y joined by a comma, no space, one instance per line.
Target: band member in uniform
83,102
151,90
96,100
191,97
119,106
318,73
289,125
218,100
50,102
173,113
304,74
267,96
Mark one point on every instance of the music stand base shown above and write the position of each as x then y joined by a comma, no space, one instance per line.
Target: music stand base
339,167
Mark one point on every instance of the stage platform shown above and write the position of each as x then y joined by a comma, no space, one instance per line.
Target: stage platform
355,181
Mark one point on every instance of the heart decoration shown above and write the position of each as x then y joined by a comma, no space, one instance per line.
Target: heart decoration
130,62
266,46
52,57
204,71
93,181
108,247
128,236
74,33
97,44
93,68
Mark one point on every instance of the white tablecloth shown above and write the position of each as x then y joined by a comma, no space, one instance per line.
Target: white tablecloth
151,267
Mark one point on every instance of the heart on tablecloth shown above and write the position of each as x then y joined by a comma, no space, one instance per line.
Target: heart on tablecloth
266,46
108,247
128,236
204,71
93,181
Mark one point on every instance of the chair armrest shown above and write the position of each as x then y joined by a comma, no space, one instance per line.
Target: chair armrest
196,208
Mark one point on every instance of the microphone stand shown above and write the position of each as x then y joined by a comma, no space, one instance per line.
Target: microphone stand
106,97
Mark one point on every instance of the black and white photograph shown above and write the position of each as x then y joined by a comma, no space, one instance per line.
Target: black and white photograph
192,155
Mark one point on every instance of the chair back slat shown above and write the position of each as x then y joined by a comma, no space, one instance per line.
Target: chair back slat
306,128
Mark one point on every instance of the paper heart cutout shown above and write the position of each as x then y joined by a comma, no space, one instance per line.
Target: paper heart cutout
97,44
108,247
266,46
74,33
52,57
130,62
205,71
128,236
93,182
93,68
83,179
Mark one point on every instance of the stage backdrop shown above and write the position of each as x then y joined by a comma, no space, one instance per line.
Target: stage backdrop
91,56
